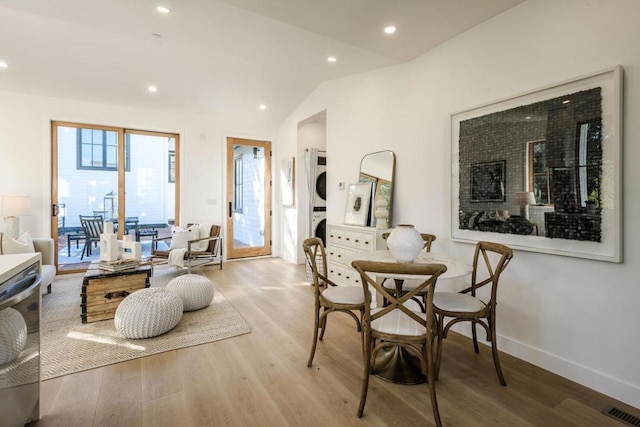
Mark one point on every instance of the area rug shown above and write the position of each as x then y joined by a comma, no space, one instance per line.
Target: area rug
68,345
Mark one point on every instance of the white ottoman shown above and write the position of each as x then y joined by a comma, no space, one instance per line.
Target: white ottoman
195,291
148,313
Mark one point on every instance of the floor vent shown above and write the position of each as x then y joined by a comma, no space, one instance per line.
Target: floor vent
621,415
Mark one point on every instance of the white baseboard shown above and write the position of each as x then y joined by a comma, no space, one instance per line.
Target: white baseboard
603,383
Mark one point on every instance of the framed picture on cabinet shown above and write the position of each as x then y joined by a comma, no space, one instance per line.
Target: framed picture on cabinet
358,202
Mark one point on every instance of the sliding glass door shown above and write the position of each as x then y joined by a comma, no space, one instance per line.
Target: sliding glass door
129,177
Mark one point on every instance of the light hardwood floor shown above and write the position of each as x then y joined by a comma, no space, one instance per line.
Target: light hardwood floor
261,379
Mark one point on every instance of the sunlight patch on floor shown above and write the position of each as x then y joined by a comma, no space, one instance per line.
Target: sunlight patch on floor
103,340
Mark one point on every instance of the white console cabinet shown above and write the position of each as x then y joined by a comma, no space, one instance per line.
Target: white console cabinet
344,240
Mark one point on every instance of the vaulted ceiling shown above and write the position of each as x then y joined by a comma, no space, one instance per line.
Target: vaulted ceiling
222,58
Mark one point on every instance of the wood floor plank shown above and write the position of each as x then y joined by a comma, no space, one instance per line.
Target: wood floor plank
262,379
159,376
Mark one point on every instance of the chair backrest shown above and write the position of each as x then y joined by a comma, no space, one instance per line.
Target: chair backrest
428,239
489,261
92,226
316,259
429,275
215,232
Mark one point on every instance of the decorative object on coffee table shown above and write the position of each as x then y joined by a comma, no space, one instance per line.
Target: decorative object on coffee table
148,313
195,291
405,243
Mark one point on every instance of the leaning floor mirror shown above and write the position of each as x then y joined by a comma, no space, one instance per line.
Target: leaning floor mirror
379,169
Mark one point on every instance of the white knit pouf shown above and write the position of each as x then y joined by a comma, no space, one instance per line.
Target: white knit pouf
148,313
195,291
13,335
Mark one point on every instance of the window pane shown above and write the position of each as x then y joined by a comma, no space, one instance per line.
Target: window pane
97,155
112,157
539,157
540,189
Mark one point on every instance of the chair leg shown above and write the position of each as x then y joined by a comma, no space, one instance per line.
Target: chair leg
475,337
494,350
366,373
431,379
440,326
84,248
323,324
316,325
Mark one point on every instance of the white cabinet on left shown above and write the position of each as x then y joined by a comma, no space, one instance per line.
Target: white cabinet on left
345,240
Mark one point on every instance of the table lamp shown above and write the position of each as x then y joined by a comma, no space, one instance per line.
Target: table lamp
524,199
13,207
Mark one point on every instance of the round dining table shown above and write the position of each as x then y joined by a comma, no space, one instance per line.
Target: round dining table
395,364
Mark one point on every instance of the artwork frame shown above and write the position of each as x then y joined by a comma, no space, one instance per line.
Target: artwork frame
287,181
488,181
358,203
477,136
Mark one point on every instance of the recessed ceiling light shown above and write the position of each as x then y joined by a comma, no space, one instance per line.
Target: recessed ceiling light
152,89
566,101
332,59
390,29
3,64
528,118
262,107
163,9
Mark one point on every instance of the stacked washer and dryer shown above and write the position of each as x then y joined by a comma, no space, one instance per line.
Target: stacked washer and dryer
319,199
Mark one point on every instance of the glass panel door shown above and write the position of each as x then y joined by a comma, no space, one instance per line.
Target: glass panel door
85,185
150,197
91,168
248,198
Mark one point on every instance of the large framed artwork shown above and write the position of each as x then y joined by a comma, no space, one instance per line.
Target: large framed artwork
542,171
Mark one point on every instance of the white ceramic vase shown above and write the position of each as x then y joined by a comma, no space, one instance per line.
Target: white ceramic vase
13,335
405,243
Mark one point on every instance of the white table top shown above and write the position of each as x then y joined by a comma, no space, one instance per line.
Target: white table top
456,267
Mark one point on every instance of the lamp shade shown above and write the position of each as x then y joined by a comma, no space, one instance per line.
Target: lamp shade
15,205
525,198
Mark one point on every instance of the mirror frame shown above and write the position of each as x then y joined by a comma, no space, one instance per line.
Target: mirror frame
380,185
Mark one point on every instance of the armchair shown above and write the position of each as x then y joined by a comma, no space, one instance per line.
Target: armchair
205,249
45,246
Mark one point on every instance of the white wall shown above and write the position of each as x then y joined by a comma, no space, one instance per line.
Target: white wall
25,147
576,317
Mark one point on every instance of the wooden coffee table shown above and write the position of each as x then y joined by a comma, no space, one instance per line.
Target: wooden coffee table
102,290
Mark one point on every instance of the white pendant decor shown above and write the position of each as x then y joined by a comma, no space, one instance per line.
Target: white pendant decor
13,335
405,243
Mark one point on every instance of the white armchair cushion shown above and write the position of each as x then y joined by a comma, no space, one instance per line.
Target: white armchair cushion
180,237
22,245
452,301
398,323
344,294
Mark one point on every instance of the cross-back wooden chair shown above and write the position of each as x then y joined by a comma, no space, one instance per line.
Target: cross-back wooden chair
396,324
92,229
410,284
489,261
328,296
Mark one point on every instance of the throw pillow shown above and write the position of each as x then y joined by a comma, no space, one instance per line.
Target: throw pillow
180,237
22,245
